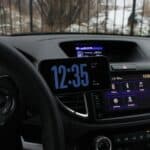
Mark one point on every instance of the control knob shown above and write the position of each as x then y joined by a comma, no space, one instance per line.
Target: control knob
103,143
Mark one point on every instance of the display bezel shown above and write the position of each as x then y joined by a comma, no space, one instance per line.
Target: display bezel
106,79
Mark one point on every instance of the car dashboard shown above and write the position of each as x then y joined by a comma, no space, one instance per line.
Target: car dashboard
115,118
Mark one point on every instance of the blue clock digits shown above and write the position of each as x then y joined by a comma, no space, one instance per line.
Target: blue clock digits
59,70
75,69
62,70
84,75
80,76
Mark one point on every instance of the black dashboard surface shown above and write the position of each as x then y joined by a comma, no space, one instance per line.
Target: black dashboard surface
41,47
122,51
38,48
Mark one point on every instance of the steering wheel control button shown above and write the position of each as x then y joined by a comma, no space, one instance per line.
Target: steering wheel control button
103,143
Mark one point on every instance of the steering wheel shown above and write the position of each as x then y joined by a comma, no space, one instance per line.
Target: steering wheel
33,87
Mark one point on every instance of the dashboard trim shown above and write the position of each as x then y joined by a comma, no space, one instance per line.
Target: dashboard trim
86,115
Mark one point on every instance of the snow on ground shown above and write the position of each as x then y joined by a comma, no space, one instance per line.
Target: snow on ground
120,3
117,20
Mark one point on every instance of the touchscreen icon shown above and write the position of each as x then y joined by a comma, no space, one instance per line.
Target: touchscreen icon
141,86
80,54
113,86
127,86
130,99
115,101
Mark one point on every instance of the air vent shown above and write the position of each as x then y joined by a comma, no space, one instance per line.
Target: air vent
75,102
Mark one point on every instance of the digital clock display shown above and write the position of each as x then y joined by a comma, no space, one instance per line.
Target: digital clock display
76,74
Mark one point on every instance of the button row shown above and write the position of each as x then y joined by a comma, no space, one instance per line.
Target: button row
136,137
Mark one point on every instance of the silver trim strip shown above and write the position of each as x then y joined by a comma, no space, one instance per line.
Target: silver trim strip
3,76
31,146
86,108
73,111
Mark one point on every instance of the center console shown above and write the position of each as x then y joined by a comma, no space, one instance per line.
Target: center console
130,140
127,102
117,114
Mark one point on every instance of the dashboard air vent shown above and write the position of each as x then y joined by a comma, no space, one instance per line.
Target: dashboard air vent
75,102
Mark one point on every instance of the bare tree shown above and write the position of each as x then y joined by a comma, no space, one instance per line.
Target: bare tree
58,14
147,8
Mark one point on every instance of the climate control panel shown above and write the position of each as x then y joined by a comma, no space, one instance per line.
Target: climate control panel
125,141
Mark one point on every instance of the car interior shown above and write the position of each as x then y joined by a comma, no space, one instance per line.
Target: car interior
75,91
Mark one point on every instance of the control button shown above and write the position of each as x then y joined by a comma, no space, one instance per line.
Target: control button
125,139
123,67
103,143
116,103
117,140
113,86
141,86
127,86
115,100
130,100
141,137
116,67
133,138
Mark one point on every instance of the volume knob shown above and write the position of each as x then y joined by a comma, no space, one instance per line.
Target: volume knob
103,143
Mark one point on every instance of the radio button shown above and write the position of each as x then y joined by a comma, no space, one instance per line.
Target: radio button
141,137
126,139
117,140
133,139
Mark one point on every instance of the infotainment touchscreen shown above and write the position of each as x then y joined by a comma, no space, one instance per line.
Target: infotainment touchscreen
76,74
129,91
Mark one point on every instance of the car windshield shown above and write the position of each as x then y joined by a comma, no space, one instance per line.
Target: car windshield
121,17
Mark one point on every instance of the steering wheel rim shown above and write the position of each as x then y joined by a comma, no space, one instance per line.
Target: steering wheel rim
23,71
